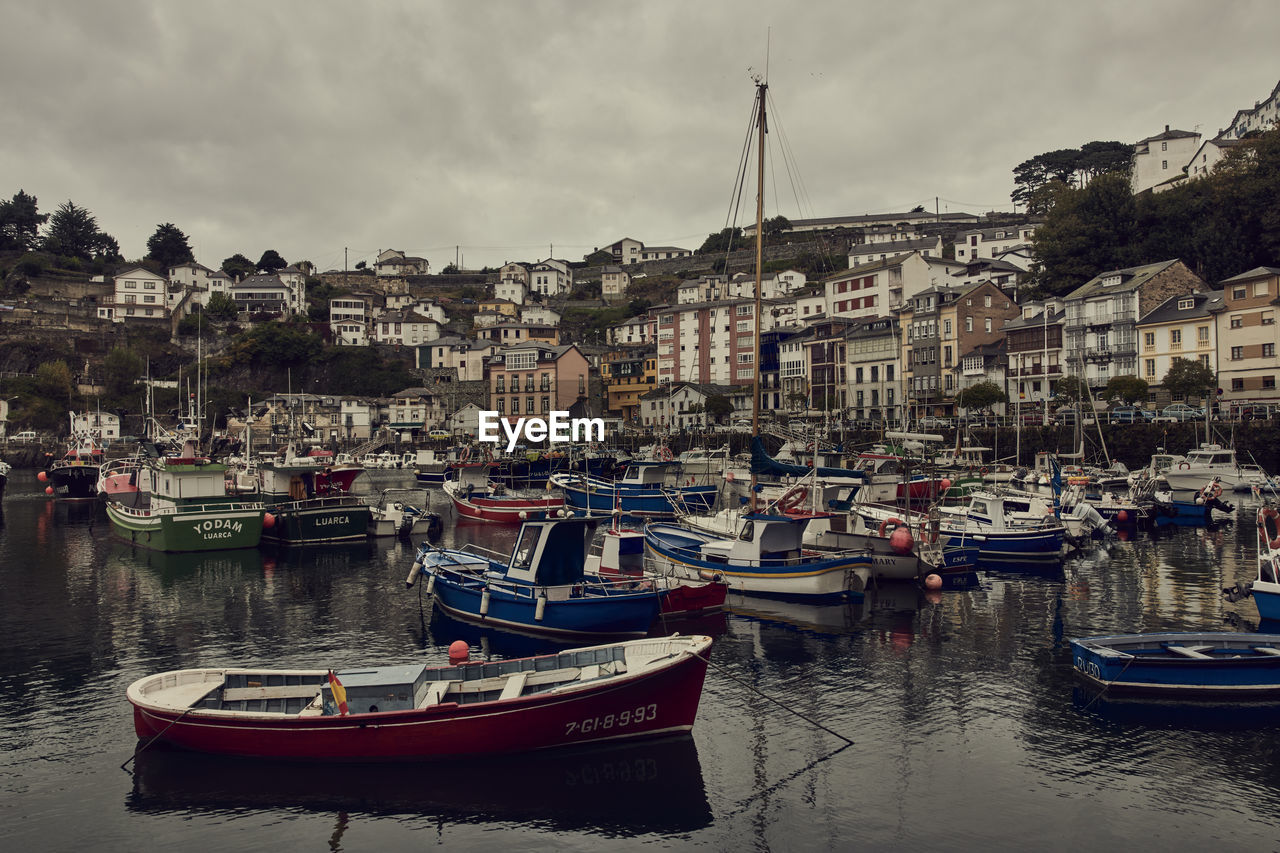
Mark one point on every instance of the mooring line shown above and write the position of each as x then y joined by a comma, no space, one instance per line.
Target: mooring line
762,694
138,751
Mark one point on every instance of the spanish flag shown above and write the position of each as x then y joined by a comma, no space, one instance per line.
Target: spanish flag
339,693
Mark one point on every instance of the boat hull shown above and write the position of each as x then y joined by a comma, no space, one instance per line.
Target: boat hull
659,702
74,482
674,549
1266,596
1208,665
198,527
651,503
305,522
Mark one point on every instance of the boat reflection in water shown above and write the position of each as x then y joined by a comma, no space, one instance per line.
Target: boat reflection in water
1201,715
880,602
173,567
626,790
497,643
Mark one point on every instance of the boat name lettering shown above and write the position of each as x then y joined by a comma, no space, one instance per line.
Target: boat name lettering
558,429
630,717
217,528
1088,667
333,519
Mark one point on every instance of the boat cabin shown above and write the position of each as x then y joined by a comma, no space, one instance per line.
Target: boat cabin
651,474
1212,455
551,553
764,540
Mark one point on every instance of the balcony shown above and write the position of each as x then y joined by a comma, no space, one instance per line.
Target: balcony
1098,355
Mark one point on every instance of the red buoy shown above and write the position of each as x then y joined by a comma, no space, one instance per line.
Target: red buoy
459,652
932,581
42,476
268,521
901,541
1122,516
946,485
48,490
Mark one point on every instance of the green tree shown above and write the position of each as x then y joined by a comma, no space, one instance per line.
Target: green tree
169,246
122,367
1130,389
72,231
1189,379
1088,231
271,261
723,241
221,307
238,266
775,226
53,380
718,407
20,221
1071,389
981,395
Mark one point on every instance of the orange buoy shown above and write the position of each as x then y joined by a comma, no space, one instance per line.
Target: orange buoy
48,490
459,651
1122,516
901,540
43,476
932,581
946,484
268,521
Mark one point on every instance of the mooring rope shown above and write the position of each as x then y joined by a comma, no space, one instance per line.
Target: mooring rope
779,703
157,737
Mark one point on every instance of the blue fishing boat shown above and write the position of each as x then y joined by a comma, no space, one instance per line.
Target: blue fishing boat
1265,588
1214,665
1190,509
646,489
765,559
1006,528
542,588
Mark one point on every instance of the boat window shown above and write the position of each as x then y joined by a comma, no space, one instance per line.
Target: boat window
979,506
748,531
1222,458
1017,506
524,550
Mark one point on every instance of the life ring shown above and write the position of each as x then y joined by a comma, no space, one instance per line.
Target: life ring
665,454
897,522
466,454
1182,466
1268,529
983,471
809,448
1212,491
927,534
792,499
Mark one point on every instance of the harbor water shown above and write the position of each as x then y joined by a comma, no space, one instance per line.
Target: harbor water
907,720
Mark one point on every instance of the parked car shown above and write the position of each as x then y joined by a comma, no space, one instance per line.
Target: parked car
1181,412
1130,415
26,436
440,434
930,422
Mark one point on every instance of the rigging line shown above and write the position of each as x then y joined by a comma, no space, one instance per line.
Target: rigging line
804,204
740,180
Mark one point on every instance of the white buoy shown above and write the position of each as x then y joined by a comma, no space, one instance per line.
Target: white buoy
413,573
540,609
431,584
484,602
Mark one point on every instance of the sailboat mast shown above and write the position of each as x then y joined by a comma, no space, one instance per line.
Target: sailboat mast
762,87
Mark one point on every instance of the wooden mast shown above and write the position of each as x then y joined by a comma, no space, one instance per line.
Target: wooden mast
762,87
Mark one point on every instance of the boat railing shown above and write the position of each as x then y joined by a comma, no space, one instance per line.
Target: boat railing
793,557
481,551
319,501
188,508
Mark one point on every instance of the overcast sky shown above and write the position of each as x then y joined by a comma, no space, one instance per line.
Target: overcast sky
508,127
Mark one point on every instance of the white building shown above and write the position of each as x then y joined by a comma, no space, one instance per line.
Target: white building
990,243
539,315
404,327
269,294
663,253
626,251
515,291
866,253
1160,159
637,330
395,263
876,289
139,294
105,426
465,356
1263,116
551,277
614,282
349,321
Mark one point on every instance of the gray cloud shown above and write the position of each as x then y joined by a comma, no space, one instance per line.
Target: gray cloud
505,127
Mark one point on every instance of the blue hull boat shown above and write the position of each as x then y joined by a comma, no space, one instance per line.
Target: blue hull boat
1015,546
642,491
1212,665
541,589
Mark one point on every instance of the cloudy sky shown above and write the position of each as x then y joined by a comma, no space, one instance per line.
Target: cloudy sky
506,128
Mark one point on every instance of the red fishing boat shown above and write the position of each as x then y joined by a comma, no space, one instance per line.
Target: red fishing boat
637,688
474,496
336,476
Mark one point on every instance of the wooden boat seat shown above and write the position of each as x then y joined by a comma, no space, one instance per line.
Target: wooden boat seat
1267,650
284,691
435,692
514,686
1189,652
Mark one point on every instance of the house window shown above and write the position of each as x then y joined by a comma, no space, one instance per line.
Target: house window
1268,318
1175,338
1268,382
1237,384
1164,164
1237,353
1268,350
1239,293
1261,289
546,404
528,405
502,405
1204,361
1237,322
1202,334
968,324
1149,340
1184,304
987,301
1150,364
987,324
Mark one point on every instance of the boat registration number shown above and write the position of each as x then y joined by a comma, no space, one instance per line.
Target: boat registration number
631,717
1088,667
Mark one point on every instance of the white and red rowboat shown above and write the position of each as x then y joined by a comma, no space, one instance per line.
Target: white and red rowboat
475,497
636,688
